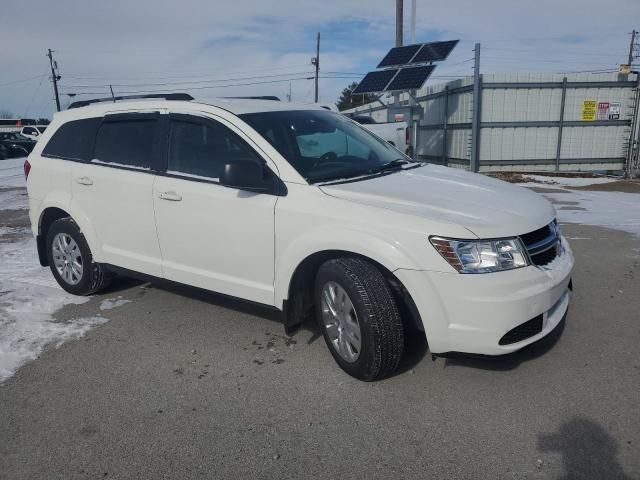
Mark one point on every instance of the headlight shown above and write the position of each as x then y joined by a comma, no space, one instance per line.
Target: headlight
482,256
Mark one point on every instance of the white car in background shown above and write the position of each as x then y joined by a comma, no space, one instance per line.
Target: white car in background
304,210
33,132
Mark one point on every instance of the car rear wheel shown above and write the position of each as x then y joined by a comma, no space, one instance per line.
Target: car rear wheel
359,318
71,261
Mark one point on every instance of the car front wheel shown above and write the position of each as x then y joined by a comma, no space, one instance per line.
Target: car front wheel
359,318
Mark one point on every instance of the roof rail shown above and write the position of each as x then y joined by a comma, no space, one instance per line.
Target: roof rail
166,96
259,97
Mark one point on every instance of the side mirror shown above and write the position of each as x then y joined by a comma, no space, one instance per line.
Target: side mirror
245,175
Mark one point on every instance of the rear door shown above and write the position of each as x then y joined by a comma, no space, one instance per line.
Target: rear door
213,236
115,190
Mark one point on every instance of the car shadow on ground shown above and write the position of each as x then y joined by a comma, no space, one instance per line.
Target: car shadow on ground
509,361
416,346
587,450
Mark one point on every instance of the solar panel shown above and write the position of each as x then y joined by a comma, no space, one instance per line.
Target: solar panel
374,82
433,52
399,56
410,78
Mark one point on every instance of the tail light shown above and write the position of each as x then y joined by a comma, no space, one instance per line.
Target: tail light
407,138
27,169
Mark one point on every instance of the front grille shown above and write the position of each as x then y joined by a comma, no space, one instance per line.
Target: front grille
545,257
536,236
522,331
542,244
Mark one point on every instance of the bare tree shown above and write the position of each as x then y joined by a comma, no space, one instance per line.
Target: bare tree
6,114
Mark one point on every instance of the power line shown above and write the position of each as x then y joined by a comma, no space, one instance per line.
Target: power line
182,75
26,111
22,80
133,92
195,82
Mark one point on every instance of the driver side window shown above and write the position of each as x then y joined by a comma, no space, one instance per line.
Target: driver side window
201,148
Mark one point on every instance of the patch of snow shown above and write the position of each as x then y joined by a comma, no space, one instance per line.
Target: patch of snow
569,181
16,199
13,231
12,173
109,303
616,210
29,296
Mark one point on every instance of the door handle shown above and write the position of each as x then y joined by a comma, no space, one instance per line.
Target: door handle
84,181
171,196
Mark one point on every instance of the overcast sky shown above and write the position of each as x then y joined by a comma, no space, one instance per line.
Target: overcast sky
148,45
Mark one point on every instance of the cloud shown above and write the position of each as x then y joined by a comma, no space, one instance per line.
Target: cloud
149,41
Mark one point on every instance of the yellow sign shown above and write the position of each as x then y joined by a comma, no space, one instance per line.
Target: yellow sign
589,108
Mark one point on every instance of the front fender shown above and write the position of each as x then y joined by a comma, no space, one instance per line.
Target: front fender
383,251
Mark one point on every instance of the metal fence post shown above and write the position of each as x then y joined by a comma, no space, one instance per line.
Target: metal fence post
561,123
445,150
474,163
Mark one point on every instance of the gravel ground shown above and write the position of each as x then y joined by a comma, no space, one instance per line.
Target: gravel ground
181,384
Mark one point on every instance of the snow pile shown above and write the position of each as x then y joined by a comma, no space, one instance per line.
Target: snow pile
28,298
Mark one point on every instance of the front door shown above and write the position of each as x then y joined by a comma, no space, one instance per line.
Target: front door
212,236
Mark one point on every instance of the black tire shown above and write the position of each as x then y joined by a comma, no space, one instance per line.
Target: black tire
93,278
381,328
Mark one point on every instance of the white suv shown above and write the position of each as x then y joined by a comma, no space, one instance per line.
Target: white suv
304,210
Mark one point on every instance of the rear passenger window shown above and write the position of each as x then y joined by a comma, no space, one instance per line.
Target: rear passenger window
126,142
201,148
73,140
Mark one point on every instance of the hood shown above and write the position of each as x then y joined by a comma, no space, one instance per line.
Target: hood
486,206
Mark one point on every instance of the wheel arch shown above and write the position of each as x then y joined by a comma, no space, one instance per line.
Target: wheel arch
298,306
52,213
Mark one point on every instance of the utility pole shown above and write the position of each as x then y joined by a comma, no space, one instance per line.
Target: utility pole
289,94
316,61
474,163
54,77
631,48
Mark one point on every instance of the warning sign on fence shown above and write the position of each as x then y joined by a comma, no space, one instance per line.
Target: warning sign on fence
589,109
615,109
603,111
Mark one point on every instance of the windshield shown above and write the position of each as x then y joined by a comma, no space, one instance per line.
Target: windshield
322,145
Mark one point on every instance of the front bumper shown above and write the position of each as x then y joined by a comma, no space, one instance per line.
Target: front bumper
471,313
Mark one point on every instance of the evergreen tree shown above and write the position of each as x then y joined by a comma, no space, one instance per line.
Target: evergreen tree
347,100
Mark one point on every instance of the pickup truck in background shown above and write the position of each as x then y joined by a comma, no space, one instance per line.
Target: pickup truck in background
396,133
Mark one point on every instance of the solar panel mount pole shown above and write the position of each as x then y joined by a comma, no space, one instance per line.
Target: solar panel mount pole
399,20
474,163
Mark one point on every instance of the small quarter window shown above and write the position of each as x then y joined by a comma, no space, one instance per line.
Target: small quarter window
73,140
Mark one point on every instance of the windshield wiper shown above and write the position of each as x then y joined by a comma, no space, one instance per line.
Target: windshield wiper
392,165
